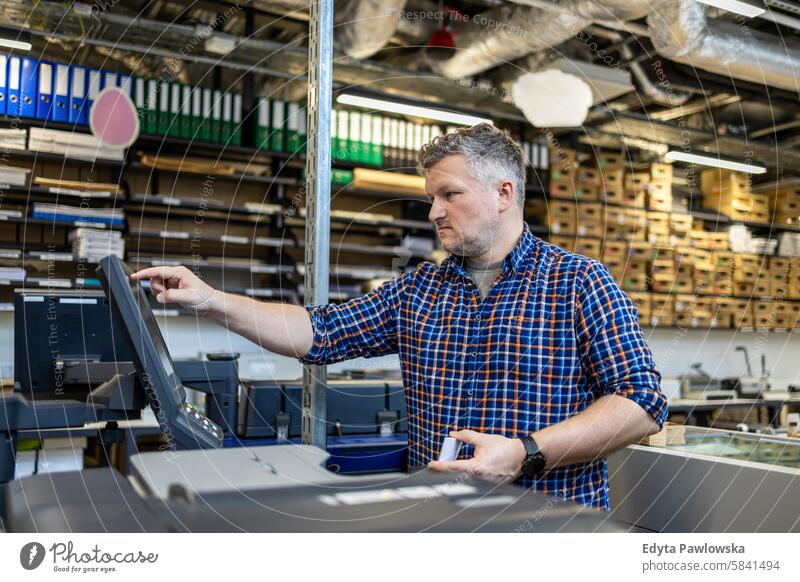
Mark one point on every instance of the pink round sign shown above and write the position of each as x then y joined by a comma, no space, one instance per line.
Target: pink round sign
114,119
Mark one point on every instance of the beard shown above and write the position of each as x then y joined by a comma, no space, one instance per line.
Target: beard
472,246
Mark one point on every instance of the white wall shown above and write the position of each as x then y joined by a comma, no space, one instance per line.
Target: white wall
674,349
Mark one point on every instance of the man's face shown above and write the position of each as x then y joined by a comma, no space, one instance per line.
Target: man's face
465,215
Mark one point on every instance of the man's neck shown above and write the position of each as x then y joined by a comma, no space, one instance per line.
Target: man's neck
504,245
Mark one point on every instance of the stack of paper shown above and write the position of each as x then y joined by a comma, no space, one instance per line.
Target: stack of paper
93,245
789,245
14,176
13,139
12,274
72,145
5,214
63,212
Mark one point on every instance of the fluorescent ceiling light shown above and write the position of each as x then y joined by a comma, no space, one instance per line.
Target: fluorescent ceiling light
412,110
15,44
714,162
749,8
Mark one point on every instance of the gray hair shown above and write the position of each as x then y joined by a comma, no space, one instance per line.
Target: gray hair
493,156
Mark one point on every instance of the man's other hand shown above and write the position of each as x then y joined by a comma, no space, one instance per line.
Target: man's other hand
497,458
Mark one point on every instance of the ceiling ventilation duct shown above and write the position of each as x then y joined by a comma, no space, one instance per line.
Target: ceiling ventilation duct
363,27
682,32
506,33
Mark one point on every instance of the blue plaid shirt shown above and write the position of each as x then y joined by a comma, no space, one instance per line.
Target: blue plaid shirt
554,334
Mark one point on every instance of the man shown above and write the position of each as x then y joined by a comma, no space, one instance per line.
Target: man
528,354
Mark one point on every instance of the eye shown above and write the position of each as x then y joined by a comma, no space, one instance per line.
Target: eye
449,195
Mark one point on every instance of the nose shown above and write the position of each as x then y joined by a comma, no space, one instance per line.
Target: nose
437,211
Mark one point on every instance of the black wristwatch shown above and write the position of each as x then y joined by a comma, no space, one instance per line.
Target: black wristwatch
535,461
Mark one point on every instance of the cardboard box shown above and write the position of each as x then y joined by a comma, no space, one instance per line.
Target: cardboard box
607,161
615,251
635,283
636,268
565,242
589,247
661,310
680,224
640,251
764,314
616,267
722,312
642,303
586,176
661,172
742,316
715,181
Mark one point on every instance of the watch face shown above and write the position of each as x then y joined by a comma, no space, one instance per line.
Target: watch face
533,465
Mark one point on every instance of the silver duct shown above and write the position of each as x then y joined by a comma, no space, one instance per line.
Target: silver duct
506,33
363,27
680,31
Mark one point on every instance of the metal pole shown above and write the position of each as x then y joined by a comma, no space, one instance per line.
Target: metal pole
318,202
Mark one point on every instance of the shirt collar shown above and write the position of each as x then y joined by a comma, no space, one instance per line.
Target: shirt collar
514,262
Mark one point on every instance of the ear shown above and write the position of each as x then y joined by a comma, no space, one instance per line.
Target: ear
507,195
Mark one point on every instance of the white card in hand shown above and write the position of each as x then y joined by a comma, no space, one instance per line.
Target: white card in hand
450,449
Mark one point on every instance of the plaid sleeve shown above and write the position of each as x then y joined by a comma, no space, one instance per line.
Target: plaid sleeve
614,352
362,327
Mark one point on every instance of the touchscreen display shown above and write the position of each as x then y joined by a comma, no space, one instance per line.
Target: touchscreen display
151,325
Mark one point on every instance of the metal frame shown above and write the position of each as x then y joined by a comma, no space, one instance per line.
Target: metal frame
318,203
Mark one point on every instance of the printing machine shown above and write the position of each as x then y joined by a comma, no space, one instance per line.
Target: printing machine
195,485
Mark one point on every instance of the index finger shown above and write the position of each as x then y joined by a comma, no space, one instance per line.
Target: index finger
462,466
160,272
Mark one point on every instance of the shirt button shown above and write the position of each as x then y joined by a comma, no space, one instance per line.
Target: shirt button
478,317
470,391
474,354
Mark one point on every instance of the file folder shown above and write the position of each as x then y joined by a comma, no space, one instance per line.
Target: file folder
227,117
278,119
342,134
151,104
197,112
205,124
44,103
140,100
216,115
61,93
92,90
292,127
236,137
28,87
163,108
186,111
14,70
262,123
78,112
174,124
109,80
3,83
125,82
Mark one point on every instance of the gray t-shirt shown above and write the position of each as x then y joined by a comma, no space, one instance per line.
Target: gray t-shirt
483,274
